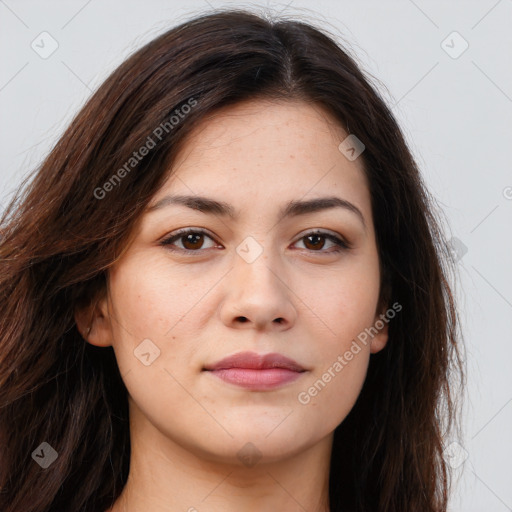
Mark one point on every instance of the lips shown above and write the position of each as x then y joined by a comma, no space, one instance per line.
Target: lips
256,372
253,361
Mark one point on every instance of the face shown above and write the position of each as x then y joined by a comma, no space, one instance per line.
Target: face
257,273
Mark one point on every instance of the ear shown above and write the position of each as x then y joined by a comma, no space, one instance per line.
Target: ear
380,340
381,320
93,322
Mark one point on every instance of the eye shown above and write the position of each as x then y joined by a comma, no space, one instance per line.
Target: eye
193,240
315,241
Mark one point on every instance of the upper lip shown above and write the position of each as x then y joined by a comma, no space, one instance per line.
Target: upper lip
254,361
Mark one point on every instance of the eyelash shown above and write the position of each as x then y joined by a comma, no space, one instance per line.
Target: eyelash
340,244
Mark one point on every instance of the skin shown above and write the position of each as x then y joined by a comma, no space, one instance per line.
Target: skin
188,426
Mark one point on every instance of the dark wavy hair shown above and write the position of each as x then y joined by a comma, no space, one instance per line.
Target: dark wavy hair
59,239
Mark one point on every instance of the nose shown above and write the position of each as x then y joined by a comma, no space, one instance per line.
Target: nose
258,296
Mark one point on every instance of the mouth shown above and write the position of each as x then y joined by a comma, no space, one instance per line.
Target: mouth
257,372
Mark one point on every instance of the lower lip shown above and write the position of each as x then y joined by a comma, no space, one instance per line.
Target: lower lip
269,378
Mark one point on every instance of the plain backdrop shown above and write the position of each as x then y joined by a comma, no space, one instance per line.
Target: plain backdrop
445,67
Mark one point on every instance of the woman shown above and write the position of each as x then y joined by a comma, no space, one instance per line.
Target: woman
226,288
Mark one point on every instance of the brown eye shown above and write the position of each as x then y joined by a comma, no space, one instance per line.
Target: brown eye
315,242
192,240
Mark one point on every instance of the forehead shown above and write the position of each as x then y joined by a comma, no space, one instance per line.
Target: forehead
266,128
267,153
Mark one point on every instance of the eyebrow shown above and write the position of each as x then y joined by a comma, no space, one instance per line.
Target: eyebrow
292,209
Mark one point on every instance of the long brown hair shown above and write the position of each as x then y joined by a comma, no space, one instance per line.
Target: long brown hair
62,232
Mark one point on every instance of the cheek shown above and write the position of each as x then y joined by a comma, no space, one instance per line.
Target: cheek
346,302
346,309
170,310
342,355
334,391
153,344
148,299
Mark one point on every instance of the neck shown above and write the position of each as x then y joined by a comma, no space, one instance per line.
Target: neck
165,477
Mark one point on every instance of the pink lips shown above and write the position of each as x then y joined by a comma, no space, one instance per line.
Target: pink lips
256,372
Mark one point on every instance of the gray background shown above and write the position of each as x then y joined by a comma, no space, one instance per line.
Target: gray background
456,114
